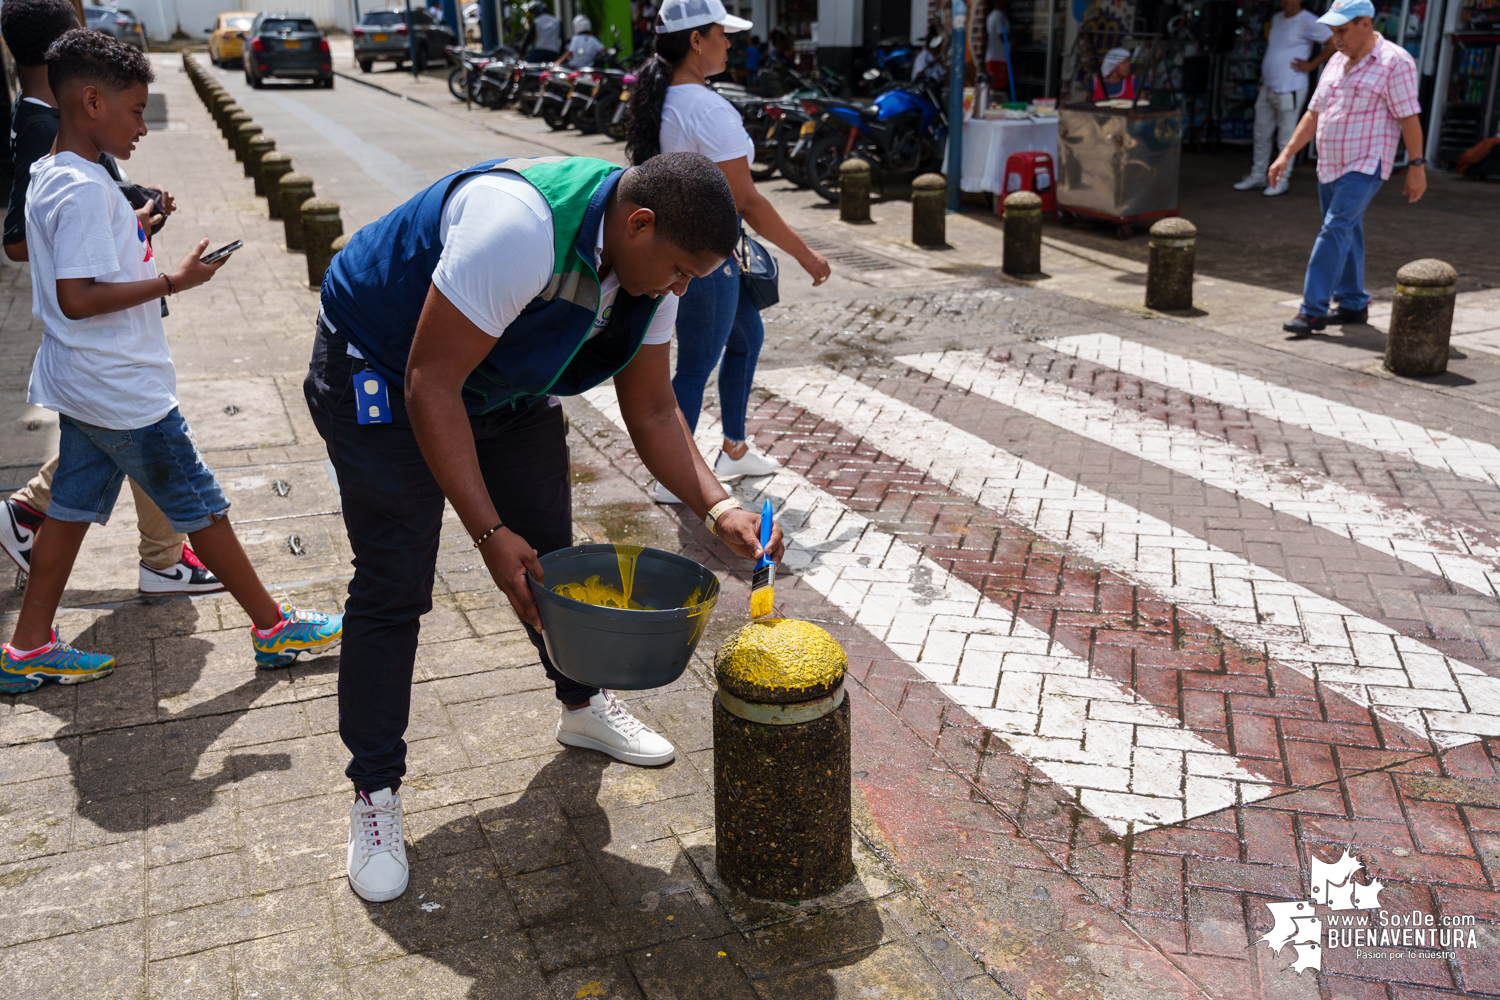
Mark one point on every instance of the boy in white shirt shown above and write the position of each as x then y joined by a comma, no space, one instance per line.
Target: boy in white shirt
103,365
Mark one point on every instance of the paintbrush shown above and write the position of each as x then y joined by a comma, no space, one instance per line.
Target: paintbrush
762,589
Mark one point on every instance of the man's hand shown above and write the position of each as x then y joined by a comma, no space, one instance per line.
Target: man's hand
1279,167
1416,184
148,216
509,559
1303,65
740,530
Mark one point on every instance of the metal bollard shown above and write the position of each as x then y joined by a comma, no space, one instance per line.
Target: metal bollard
1421,319
854,190
781,761
1022,251
232,121
293,190
929,211
320,227
1169,268
273,167
242,137
255,150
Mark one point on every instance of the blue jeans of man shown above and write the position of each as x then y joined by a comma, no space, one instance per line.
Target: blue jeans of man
1336,269
714,320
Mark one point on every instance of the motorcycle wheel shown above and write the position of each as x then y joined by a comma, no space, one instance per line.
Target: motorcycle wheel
552,115
604,118
458,82
823,161
583,120
791,168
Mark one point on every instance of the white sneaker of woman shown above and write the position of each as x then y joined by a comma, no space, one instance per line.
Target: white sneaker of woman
377,846
605,725
751,463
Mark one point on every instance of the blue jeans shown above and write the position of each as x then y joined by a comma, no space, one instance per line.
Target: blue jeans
1336,269
714,319
162,458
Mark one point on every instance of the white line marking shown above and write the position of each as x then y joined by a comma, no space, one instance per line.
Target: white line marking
1424,542
1400,678
1129,763
1461,456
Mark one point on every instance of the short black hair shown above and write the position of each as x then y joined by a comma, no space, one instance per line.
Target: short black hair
93,57
692,200
30,26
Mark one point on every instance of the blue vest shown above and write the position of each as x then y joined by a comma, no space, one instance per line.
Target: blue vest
374,290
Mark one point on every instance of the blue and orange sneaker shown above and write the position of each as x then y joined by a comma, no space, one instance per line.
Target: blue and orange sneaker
56,661
300,631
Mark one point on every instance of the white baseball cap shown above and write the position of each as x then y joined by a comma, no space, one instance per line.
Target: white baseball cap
684,15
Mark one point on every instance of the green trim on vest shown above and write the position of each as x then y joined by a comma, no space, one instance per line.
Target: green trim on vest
567,183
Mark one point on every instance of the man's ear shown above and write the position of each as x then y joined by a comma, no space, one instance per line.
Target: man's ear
92,99
642,223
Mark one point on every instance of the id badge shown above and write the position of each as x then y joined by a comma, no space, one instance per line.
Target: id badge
372,397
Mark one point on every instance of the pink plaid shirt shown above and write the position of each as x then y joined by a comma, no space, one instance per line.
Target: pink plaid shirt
1359,112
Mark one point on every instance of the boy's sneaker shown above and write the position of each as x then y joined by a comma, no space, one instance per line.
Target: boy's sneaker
189,576
18,531
56,661
377,846
606,726
751,464
300,631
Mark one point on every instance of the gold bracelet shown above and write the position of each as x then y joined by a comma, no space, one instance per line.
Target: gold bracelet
485,537
718,511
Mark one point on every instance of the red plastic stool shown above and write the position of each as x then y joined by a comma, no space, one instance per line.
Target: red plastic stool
1031,171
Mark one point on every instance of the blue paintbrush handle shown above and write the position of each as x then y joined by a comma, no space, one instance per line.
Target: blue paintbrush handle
765,534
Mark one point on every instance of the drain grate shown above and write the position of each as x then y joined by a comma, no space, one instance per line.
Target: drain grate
846,255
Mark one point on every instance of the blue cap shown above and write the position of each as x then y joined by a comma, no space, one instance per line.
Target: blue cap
1344,11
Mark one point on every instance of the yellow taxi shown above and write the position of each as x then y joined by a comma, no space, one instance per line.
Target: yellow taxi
224,42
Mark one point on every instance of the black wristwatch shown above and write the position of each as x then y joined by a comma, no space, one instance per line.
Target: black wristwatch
1418,162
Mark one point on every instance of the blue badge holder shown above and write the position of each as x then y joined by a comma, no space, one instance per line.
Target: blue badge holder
372,397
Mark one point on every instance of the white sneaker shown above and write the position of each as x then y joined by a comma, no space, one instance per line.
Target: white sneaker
1250,182
751,463
189,576
1274,190
377,846
606,726
661,494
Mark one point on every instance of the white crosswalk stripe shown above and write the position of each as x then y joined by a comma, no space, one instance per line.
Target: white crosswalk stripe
1130,764
1435,449
1424,542
1402,679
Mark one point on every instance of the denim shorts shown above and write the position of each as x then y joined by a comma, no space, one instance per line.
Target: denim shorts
162,458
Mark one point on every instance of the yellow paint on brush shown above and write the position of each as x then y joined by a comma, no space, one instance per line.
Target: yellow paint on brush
782,653
762,602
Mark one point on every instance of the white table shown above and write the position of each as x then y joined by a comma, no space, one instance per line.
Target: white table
989,142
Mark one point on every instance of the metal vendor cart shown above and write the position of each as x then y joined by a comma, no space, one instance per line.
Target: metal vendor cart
1117,164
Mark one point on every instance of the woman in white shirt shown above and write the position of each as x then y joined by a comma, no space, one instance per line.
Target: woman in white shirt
674,110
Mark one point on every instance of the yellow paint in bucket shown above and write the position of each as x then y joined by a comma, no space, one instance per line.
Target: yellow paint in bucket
594,591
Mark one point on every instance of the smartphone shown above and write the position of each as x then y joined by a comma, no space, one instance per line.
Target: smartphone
222,252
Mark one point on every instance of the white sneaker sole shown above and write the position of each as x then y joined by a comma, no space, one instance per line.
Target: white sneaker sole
625,756
379,897
163,587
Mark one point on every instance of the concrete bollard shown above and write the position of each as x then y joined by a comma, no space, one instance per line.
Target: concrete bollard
220,108
854,190
257,148
338,245
293,190
1169,268
233,119
242,137
929,211
320,227
781,761
273,167
1421,319
1022,252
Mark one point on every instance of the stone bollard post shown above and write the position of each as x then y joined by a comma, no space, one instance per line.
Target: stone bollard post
242,137
929,211
320,227
219,109
1421,319
257,148
273,167
781,761
233,119
1169,268
854,190
293,190
1022,252
338,245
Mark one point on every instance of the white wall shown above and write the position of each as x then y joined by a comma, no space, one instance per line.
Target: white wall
918,20
163,17
841,23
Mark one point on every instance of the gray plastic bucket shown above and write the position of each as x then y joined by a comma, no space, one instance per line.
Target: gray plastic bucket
616,648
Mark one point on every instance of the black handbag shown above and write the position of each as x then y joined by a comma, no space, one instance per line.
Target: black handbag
758,274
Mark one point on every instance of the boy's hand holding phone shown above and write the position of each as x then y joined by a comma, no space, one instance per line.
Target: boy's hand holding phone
194,271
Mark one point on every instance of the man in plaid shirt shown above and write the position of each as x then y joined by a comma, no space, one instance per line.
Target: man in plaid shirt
1366,100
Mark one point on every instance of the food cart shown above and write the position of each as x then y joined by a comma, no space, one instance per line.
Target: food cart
1119,164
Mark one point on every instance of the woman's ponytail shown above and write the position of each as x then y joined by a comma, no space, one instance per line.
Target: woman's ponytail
649,94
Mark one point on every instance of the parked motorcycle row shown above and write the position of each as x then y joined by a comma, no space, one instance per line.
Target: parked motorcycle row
804,134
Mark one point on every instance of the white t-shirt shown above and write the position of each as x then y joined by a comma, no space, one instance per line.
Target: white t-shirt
498,251
583,48
548,32
1290,39
112,370
695,119
994,49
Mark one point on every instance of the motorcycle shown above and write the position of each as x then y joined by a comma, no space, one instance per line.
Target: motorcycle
759,124
893,59
579,109
901,132
612,105
478,77
496,84
529,87
552,99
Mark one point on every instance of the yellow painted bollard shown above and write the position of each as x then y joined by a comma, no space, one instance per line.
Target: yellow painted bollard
781,761
320,227
293,190
1421,319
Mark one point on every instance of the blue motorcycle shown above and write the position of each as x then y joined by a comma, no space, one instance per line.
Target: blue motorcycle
901,132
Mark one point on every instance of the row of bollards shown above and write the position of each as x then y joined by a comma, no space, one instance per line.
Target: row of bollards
312,224
929,209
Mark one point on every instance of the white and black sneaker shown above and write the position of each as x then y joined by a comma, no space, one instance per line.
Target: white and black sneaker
189,576
18,531
604,724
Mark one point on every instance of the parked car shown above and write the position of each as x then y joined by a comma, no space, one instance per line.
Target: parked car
382,35
117,21
291,46
226,39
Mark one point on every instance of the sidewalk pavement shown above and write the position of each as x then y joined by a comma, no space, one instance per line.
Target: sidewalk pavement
1145,626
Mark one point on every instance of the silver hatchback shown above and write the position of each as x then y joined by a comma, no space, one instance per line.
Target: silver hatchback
119,22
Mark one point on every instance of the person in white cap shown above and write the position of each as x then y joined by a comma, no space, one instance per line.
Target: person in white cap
582,48
1115,79
673,110
1365,103
1283,86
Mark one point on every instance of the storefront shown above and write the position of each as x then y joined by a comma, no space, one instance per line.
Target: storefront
1466,107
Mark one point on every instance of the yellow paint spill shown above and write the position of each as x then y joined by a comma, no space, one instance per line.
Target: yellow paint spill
592,988
782,653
